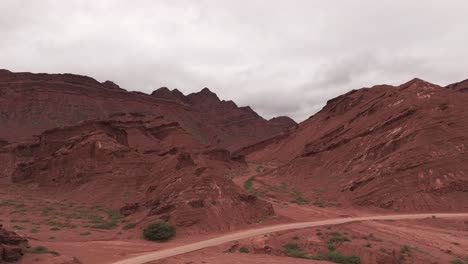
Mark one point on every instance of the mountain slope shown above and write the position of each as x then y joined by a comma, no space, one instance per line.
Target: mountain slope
31,103
148,166
390,147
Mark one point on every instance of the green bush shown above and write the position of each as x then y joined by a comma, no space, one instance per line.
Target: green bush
39,250
243,250
159,231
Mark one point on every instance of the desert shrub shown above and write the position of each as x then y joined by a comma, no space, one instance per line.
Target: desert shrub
243,250
405,249
159,231
85,233
299,198
294,250
39,250
337,237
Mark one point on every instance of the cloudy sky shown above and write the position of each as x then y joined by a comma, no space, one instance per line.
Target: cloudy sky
281,57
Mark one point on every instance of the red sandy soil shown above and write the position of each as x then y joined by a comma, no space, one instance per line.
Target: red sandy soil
107,246
428,241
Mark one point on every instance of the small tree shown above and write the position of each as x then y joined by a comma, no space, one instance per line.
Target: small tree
159,231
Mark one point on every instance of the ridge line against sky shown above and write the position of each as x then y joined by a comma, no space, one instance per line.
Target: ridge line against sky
279,57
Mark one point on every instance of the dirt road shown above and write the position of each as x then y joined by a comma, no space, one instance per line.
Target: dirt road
148,257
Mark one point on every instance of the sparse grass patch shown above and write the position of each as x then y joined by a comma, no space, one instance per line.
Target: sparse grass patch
295,237
260,169
294,250
284,186
105,225
459,261
55,228
34,230
337,237
338,257
61,224
368,245
129,226
17,227
112,214
85,233
7,203
248,186
43,250
405,249
299,198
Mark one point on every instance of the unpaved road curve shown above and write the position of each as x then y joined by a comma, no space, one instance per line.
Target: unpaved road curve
156,255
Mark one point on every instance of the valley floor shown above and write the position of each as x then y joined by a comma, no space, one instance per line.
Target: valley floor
86,233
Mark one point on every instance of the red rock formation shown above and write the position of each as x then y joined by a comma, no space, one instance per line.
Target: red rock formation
12,246
399,147
149,166
31,103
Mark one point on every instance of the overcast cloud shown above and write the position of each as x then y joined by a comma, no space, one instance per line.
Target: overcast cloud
279,57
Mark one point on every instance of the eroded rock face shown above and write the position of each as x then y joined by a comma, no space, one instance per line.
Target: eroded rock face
150,166
402,147
12,246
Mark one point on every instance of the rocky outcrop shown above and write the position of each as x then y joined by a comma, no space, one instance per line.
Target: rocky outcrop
401,147
148,166
12,246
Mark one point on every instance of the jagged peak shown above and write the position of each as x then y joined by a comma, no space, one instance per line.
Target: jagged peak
166,93
206,90
415,82
203,95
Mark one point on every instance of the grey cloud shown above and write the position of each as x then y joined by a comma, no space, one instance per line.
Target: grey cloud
280,57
